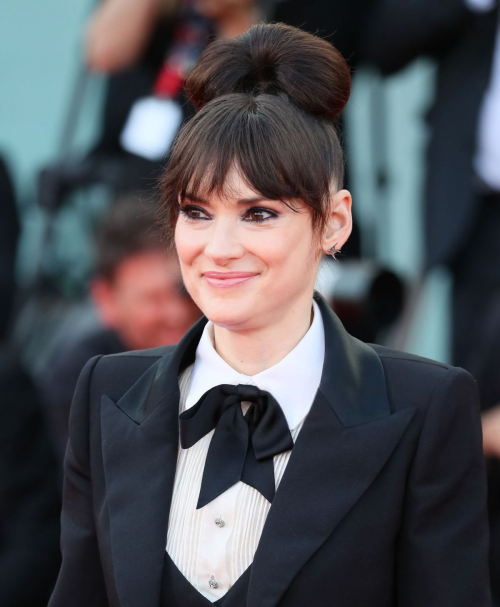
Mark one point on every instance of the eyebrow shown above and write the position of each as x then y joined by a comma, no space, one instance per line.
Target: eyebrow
242,201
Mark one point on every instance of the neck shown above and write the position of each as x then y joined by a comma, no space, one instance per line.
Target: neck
234,23
253,351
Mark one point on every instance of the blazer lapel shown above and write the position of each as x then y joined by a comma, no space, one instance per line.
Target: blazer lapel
346,439
140,446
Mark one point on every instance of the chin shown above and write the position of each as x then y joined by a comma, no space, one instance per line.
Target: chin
228,314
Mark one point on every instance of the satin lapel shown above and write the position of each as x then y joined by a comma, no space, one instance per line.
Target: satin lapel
140,446
346,439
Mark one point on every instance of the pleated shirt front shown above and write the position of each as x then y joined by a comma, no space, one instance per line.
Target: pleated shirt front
213,546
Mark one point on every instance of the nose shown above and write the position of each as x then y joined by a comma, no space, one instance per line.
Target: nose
223,243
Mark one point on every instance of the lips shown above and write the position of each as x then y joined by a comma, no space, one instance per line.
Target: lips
225,280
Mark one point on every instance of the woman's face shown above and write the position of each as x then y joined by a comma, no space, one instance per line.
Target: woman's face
245,260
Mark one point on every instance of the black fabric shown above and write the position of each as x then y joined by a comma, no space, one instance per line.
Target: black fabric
476,282
243,446
176,591
462,42
29,492
9,233
383,501
341,22
486,368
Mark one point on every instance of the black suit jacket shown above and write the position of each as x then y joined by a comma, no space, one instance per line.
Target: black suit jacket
462,41
382,502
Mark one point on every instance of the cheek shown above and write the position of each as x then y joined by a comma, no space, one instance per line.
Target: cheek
288,251
184,244
188,245
184,247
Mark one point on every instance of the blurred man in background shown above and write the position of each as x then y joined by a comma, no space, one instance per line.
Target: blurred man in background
462,201
462,204
139,299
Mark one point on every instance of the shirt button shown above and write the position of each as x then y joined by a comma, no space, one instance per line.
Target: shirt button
212,582
220,522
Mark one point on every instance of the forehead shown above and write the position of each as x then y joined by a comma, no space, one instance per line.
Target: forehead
234,188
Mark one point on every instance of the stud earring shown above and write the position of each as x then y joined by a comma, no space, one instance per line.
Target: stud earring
333,250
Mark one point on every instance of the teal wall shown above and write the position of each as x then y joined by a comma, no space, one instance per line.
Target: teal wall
40,63
40,55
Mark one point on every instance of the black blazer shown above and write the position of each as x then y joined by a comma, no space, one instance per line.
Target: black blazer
382,503
462,41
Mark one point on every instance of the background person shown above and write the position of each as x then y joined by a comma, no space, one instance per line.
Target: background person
145,104
139,299
462,199
30,500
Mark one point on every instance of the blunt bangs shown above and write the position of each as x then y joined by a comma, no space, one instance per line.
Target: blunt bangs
281,152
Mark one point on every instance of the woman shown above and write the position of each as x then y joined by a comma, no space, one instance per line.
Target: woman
269,459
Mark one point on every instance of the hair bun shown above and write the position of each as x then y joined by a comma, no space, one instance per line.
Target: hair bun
275,59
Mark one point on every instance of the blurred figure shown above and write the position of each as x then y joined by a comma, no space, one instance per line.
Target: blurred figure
139,299
462,202
9,232
138,289
119,31
147,47
158,43
29,493
230,17
487,372
341,22
463,183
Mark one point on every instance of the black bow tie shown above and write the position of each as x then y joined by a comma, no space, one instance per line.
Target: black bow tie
243,446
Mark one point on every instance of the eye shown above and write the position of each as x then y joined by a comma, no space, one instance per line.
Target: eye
259,214
194,212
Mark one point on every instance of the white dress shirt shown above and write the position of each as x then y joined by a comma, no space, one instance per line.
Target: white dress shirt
487,160
214,545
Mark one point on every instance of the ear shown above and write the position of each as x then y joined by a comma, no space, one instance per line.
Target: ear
102,294
338,227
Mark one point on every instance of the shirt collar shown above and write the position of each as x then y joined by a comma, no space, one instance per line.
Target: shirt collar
293,381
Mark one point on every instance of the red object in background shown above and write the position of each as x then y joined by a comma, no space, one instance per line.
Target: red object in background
169,82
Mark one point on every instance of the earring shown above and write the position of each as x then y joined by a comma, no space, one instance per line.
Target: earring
333,250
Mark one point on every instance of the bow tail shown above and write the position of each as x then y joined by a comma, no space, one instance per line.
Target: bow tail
259,474
226,456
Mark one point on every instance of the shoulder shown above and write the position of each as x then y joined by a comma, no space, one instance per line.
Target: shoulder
110,375
420,381
142,354
114,374
398,360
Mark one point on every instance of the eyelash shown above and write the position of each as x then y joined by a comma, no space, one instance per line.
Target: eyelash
185,210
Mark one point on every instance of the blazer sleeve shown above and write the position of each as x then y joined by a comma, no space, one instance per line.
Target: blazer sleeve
442,555
80,582
399,31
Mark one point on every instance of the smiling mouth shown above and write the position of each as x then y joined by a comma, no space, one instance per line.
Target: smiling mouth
225,280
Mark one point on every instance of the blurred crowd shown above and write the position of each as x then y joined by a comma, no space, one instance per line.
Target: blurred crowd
123,289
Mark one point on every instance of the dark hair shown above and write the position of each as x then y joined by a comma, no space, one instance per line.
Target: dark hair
268,104
128,228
